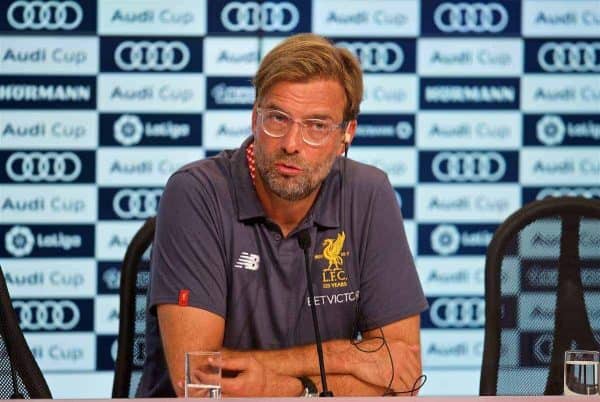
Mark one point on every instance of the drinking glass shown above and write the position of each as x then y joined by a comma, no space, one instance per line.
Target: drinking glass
203,375
581,372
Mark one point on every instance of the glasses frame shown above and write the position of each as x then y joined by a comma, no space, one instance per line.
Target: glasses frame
302,123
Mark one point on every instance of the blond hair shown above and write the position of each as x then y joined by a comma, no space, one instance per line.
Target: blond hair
307,57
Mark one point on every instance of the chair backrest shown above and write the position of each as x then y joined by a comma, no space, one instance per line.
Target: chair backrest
132,308
542,293
20,376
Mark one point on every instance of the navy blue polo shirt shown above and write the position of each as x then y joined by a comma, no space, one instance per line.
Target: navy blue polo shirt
214,239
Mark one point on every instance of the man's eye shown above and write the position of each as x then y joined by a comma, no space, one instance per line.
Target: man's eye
318,125
278,118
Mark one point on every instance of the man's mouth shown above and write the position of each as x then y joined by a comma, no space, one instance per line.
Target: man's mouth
288,169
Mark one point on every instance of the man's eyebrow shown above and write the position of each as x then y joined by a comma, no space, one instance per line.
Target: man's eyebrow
320,116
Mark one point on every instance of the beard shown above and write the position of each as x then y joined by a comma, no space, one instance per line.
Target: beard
290,188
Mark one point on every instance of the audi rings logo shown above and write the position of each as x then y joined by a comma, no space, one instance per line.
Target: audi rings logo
458,312
47,315
445,239
569,57
46,166
51,15
376,56
139,204
468,166
550,130
128,129
592,193
19,241
252,16
475,17
152,56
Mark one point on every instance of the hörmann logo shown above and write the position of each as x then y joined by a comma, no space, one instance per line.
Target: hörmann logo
229,93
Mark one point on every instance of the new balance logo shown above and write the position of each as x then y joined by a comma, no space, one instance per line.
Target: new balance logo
248,261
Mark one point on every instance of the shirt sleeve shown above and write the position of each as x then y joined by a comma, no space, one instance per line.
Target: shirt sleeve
390,289
187,252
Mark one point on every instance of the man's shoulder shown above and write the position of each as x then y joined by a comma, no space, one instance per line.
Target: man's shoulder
213,169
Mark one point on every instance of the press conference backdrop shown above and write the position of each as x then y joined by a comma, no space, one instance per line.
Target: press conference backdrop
473,108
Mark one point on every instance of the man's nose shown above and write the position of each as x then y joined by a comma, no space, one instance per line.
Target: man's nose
292,141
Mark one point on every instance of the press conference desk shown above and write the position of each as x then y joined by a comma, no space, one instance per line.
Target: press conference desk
367,399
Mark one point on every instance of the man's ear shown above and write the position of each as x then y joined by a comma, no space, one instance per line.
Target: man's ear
348,135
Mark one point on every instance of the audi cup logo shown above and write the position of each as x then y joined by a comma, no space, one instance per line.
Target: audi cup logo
47,315
139,204
152,56
43,166
468,166
128,129
252,16
51,15
551,130
569,192
458,312
569,57
376,56
475,17
445,239
19,241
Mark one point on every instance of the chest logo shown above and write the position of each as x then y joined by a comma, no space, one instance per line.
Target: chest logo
248,261
333,274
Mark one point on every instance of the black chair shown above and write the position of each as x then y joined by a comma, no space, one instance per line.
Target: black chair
542,292
20,376
132,309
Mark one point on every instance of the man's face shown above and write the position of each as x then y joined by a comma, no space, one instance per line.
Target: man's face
289,167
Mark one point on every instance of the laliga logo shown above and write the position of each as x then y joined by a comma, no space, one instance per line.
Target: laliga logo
476,17
376,56
19,241
550,130
156,56
468,166
43,166
458,312
252,16
47,315
112,278
445,239
139,204
569,56
128,129
51,15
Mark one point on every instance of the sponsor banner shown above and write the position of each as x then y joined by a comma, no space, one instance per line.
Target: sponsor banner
410,229
33,277
47,92
450,381
381,55
466,312
47,130
470,18
571,93
541,239
536,310
455,348
109,276
63,352
47,167
157,54
469,93
472,57
112,239
226,129
466,203
562,130
107,314
48,204
387,93
40,17
106,354
477,130
464,275
469,166
568,167
179,93
562,56
455,239
542,274
380,18
27,55
385,129
60,241
229,93
400,165
406,201
91,384
549,18
536,349
55,315
281,18
150,129
145,167
184,17
540,193
230,56
130,203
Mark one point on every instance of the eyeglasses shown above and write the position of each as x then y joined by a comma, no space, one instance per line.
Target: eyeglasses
315,132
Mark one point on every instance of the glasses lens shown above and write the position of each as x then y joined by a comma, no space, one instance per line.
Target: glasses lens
316,131
276,123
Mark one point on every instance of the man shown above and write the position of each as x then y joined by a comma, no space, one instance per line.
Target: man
227,270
